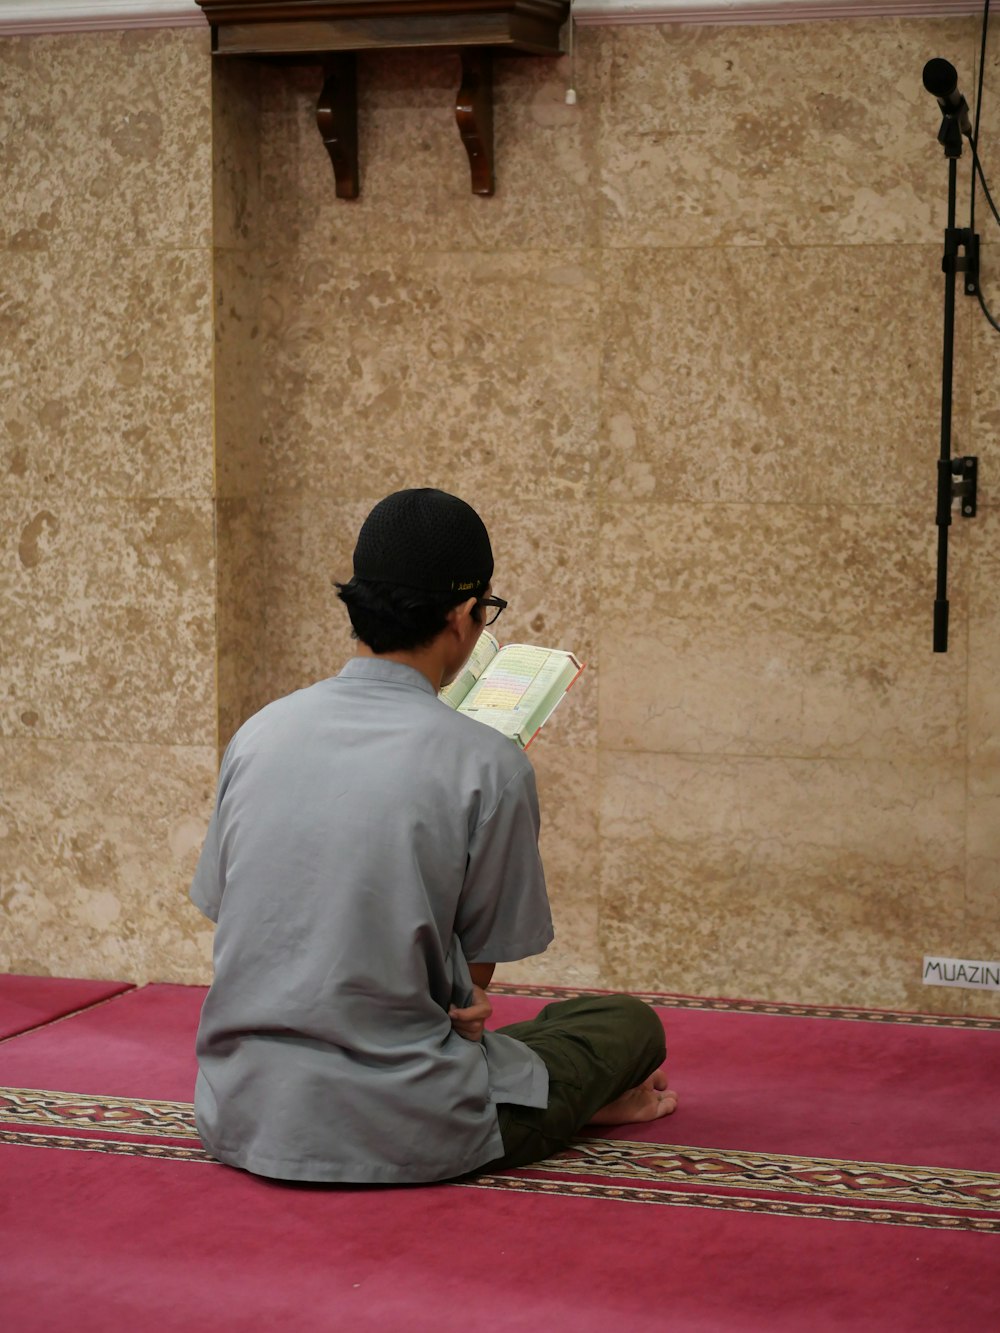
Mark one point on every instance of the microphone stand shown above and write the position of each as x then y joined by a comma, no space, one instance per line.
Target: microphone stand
955,239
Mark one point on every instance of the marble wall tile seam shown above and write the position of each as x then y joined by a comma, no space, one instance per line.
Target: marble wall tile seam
506,245
273,249
598,494
108,742
366,495
272,246
759,757
611,503
86,246
35,735
852,752
502,244
929,243
62,488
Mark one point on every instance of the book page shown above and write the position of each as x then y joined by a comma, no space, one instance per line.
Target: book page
483,654
520,689
507,685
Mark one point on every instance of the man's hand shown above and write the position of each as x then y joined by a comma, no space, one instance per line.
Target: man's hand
469,1023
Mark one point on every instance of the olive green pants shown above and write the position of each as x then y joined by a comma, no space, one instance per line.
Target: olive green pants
595,1049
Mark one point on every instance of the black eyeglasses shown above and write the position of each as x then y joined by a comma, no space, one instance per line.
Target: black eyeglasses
498,602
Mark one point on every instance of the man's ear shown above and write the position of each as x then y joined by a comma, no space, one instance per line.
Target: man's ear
459,615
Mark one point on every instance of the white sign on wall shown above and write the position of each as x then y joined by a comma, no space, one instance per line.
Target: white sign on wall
965,972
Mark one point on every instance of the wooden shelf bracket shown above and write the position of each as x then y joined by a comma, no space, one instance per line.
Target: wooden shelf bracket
337,118
474,113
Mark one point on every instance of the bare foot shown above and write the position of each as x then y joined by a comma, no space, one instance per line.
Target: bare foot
649,1101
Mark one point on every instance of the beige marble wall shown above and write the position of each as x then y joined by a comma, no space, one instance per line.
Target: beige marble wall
108,725
687,363
239,470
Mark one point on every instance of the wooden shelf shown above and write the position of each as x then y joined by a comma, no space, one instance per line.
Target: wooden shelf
328,34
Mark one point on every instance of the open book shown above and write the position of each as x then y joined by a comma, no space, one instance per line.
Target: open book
514,689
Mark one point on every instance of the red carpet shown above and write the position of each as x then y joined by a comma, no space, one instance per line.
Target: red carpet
868,1084
822,1173
29,1002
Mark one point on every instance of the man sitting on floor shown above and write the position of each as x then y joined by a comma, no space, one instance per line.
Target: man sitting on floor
372,855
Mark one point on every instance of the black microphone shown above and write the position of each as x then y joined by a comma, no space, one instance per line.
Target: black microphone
941,79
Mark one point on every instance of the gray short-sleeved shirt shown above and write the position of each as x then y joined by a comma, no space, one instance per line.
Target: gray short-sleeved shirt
366,845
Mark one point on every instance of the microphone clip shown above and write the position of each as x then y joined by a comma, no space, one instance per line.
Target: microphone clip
958,239
950,133
966,489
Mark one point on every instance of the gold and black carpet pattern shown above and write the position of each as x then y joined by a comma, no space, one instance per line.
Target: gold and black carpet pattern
625,1170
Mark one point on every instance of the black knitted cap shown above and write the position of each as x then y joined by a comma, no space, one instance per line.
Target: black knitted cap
425,539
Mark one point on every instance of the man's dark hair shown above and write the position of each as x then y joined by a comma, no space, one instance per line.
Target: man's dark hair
389,619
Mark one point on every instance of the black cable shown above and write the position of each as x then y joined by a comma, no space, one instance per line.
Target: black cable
986,188
979,106
977,166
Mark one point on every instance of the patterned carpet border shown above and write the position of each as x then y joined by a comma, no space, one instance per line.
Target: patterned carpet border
736,1204
626,1170
882,1182
771,1007
568,1189
45,1109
